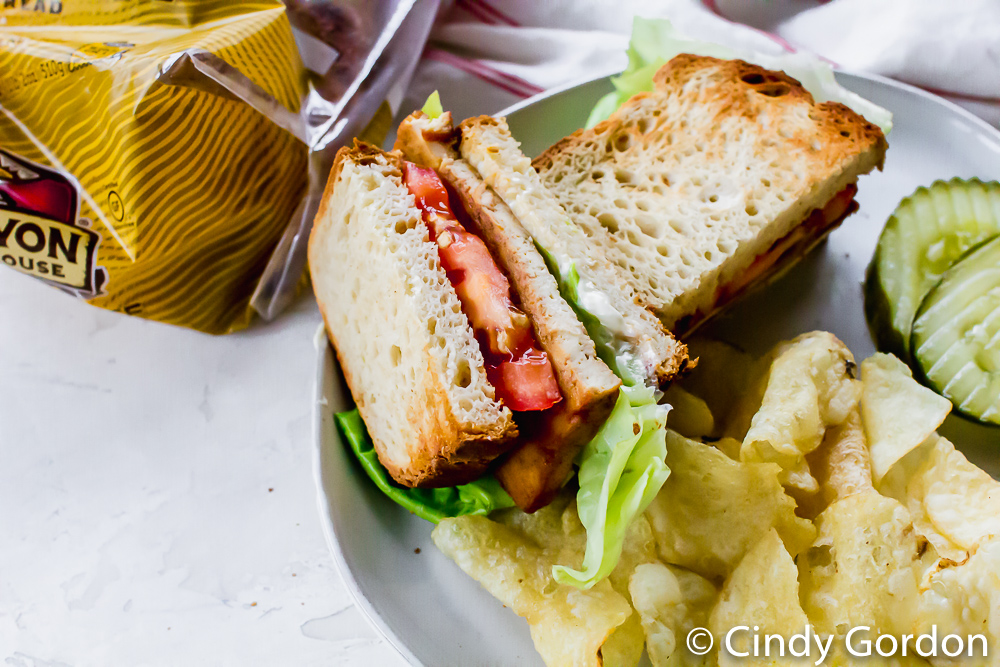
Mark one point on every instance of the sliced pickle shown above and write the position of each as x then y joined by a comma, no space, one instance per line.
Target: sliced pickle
956,334
927,232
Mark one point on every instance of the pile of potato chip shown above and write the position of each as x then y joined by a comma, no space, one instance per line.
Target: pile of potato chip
799,494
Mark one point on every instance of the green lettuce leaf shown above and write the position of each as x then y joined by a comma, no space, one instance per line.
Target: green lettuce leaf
655,41
621,471
479,497
432,107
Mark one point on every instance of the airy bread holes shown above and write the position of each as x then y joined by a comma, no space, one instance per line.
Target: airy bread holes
752,79
774,89
395,355
463,374
648,226
609,222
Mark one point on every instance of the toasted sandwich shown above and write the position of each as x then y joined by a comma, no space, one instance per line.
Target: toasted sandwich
452,332
711,184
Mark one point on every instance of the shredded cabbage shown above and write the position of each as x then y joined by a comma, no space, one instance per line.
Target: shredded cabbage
623,467
479,497
655,41
621,471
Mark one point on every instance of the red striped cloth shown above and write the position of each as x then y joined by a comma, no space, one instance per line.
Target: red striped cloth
484,55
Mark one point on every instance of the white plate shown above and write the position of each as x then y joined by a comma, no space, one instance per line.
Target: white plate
423,604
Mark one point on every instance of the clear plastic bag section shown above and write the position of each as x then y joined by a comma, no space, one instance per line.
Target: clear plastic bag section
172,173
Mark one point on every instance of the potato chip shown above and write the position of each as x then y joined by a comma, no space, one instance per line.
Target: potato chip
799,480
964,599
954,504
690,415
724,378
729,446
712,510
671,602
552,527
841,464
863,568
810,387
512,557
624,646
763,591
962,501
568,625
905,483
898,413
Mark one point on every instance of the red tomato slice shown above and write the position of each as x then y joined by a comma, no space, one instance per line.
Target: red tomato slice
482,289
427,187
516,367
838,206
525,384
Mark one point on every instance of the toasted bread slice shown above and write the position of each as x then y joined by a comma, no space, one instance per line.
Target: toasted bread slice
683,188
489,147
406,349
539,465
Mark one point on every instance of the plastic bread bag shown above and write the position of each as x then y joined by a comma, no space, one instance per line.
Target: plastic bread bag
162,158
378,46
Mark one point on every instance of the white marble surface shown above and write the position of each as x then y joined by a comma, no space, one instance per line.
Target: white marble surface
157,503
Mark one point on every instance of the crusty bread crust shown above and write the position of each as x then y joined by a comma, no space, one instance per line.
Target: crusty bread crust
683,187
420,387
427,141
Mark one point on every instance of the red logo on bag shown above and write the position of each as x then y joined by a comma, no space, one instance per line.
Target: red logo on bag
40,230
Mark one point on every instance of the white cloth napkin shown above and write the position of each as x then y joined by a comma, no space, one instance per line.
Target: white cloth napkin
484,55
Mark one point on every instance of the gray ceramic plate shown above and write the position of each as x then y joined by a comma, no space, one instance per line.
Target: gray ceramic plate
423,604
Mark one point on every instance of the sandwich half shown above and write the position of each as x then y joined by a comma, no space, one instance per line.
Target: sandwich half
451,331
507,220
406,349
711,184
484,146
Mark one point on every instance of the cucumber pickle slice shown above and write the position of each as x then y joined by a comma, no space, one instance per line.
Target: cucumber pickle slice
956,334
927,232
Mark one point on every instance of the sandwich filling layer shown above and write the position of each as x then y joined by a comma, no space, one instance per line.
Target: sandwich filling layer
516,366
795,244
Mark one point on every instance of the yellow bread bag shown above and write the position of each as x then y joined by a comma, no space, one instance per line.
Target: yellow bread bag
151,153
